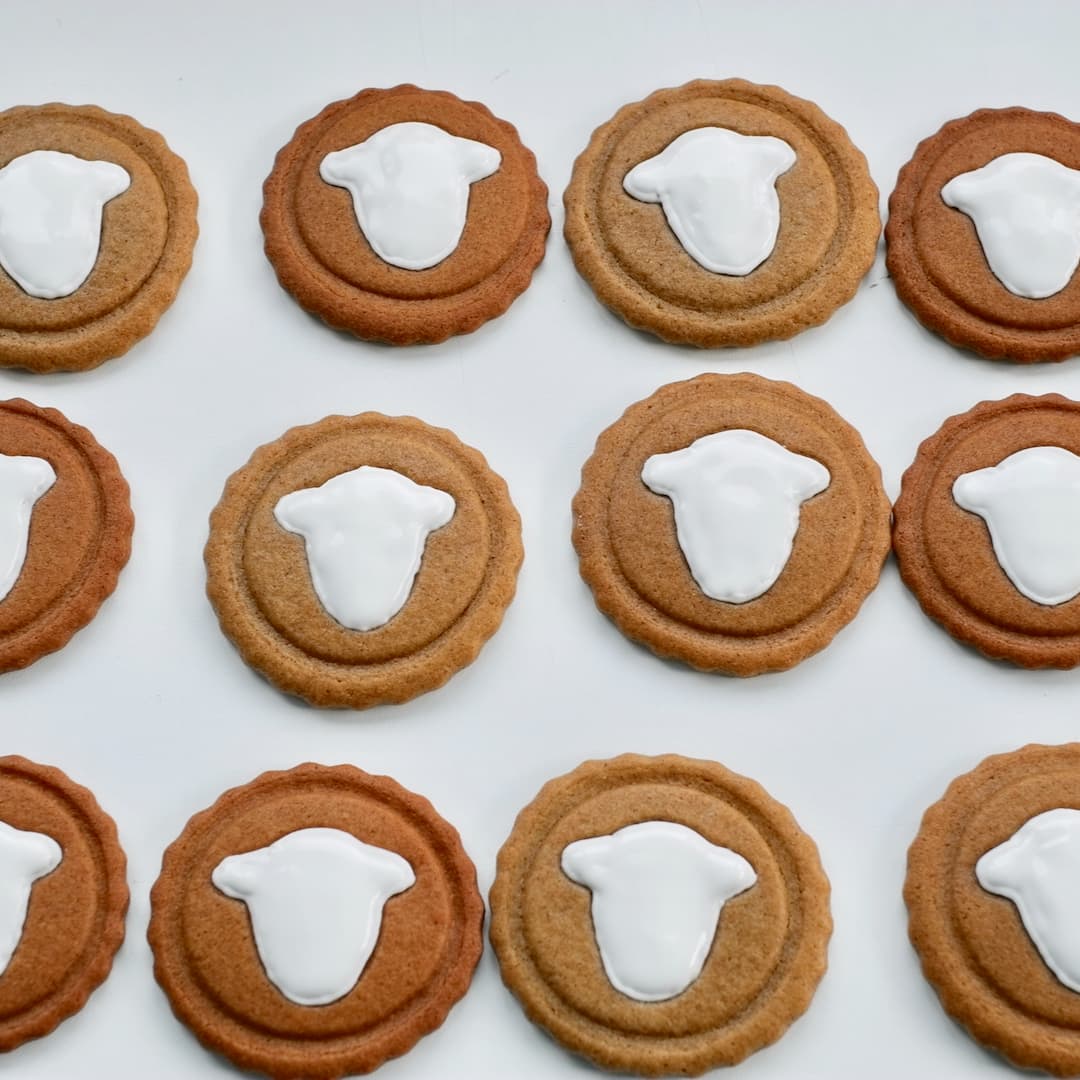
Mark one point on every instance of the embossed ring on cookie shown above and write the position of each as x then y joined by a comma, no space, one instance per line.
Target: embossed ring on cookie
731,522
97,227
660,915
405,215
722,213
984,234
315,922
362,560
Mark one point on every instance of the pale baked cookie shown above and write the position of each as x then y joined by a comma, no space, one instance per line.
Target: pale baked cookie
731,522
97,227
722,213
405,215
660,915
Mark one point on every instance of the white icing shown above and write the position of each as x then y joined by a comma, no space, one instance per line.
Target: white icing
657,892
1026,210
1030,502
315,898
1038,869
410,189
24,857
717,188
50,219
23,480
364,532
736,496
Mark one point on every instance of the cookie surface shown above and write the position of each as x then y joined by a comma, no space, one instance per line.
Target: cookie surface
631,251
563,945
100,283
820,557
281,889
65,897
940,266
473,203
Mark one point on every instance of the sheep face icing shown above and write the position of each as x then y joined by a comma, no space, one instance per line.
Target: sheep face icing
1030,502
364,533
717,190
657,892
50,219
1026,210
410,189
23,480
737,497
24,858
315,898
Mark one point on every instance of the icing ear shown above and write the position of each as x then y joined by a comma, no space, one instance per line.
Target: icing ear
340,166
730,871
585,861
960,188
643,181
438,507
971,490
995,868
294,511
398,875
779,157
810,476
476,158
661,471
38,854
111,179
236,875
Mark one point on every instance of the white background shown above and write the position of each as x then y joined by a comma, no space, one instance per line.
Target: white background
153,710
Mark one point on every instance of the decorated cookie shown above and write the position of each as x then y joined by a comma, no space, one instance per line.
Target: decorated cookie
722,213
986,528
63,897
992,885
362,560
405,215
984,234
315,922
97,226
660,915
731,522
65,530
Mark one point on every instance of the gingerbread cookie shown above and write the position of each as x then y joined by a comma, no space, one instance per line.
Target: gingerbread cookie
315,922
65,530
731,522
722,213
984,234
63,897
363,559
97,226
405,215
660,915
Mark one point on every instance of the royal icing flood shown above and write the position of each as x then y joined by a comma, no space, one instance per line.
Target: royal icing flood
410,189
736,496
657,892
1026,210
24,857
50,219
1038,869
315,898
364,533
717,189
23,480
1030,502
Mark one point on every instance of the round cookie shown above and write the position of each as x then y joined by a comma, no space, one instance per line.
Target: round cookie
992,559
412,266
128,212
677,256
315,922
755,557
660,915
65,898
65,530
274,580
937,261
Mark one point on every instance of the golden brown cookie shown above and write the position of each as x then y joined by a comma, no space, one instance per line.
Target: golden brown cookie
65,897
790,523
1002,579
660,915
935,257
436,256
630,250
127,238
315,922
305,618
65,530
